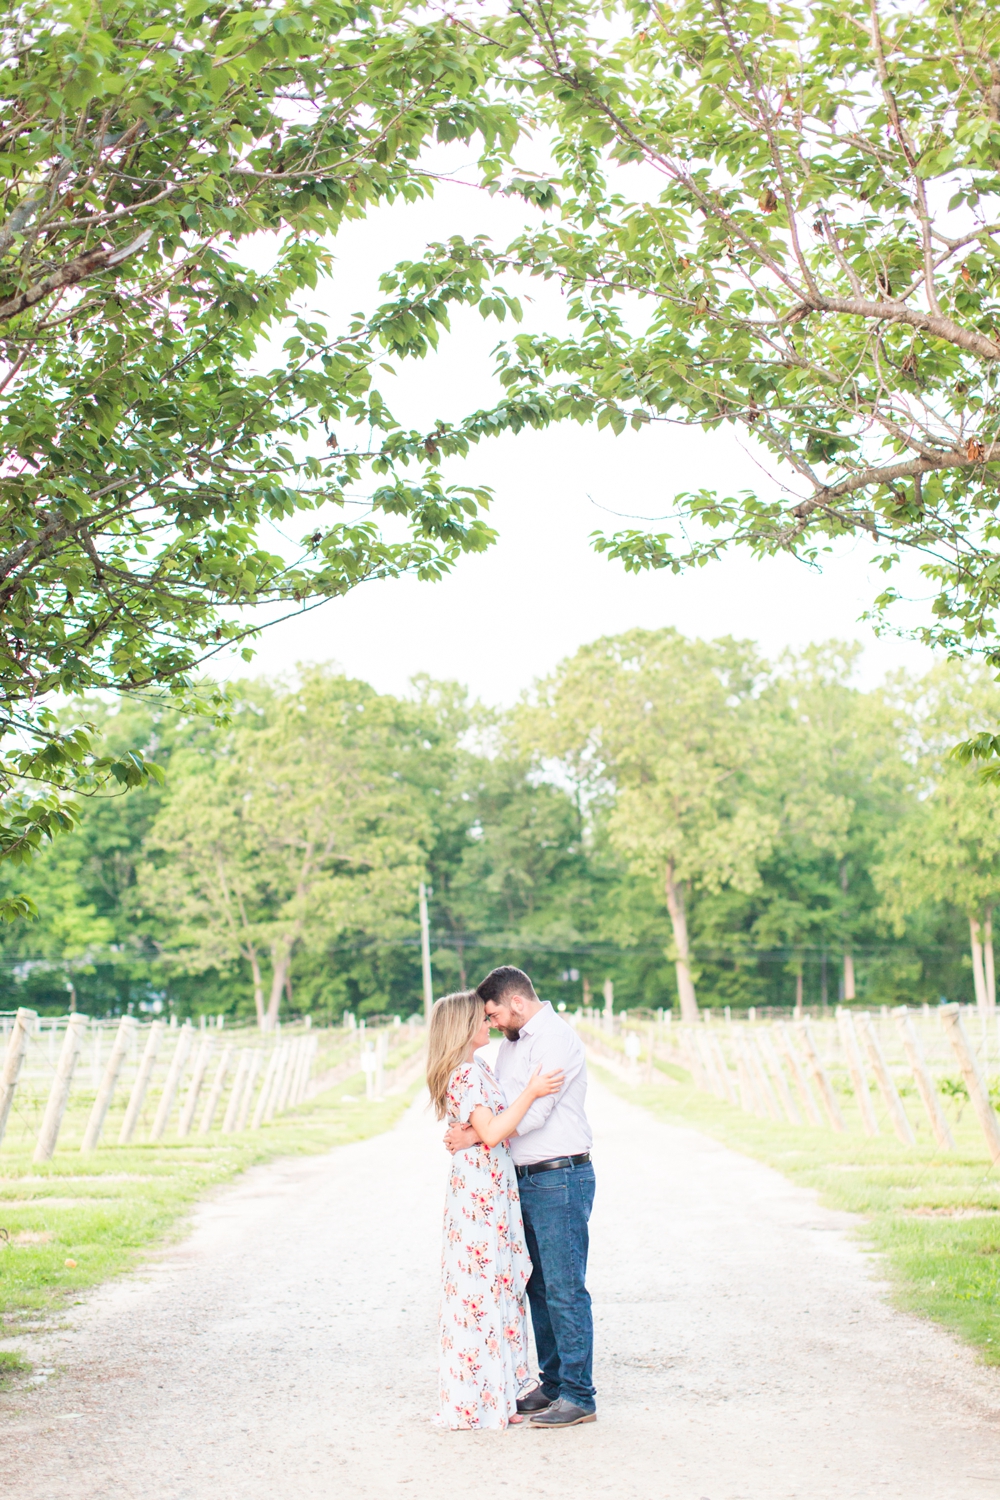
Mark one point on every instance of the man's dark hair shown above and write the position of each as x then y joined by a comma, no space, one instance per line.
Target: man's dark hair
501,983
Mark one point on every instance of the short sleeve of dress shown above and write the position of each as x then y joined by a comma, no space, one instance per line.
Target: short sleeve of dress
466,1091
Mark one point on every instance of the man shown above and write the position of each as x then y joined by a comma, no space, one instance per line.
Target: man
551,1153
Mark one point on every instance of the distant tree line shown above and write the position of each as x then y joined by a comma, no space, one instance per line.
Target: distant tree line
693,822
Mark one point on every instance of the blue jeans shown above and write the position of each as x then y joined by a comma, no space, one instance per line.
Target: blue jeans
556,1210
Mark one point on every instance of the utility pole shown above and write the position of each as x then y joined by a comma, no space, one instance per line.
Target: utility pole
425,953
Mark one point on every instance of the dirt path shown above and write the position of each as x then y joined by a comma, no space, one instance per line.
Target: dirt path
286,1350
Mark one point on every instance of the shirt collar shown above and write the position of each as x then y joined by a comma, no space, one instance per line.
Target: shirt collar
540,1015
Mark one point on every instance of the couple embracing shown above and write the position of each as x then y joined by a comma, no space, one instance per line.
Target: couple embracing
517,1209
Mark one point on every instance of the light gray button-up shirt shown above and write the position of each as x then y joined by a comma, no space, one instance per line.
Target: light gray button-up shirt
556,1125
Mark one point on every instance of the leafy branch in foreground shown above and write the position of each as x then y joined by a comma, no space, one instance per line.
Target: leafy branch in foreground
165,403
805,200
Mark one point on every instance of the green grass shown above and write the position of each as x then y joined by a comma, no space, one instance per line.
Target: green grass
12,1363
933,1216
104,1209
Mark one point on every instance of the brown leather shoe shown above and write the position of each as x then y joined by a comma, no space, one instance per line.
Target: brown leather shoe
535,1400
563,1413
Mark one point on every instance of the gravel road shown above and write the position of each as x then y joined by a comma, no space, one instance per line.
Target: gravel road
286,1349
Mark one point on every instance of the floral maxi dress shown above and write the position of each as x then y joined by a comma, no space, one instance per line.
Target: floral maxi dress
484,1271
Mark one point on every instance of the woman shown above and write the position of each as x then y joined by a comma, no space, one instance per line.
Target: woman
484,1265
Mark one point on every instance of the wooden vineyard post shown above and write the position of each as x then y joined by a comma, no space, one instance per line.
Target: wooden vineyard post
305,1072
856,1068
236,1097
708,1064
821,1077
381,1055
923,1080
951,1019
13,1059
278,1082
291,1072
173,1081
109,1083
758,1068
750,1095
266,1089
137,1098
887,1087
368,1066
311,1049
76,1030
801,1081
691,1059
299,1055
770,1055
722,1068
194,1087
256,1056
215,1093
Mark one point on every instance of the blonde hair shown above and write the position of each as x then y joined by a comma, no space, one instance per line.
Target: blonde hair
455,1020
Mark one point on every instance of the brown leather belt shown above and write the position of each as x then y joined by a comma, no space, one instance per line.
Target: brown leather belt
554,1165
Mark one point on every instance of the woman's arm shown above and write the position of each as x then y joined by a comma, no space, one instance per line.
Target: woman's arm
492,1129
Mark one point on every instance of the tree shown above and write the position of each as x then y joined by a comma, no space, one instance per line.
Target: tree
297,828
650,723
831,768
92,866
948,849
520,877
802,197
52,958
166,398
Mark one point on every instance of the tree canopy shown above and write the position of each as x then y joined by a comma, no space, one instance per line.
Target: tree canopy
169,180
777,218
783,219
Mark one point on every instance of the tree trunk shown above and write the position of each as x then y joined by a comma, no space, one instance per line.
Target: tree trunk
258,986
978,977
280,966
989,963
798,994
678,919
848,975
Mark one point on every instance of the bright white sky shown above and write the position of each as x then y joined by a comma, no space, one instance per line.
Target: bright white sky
507,617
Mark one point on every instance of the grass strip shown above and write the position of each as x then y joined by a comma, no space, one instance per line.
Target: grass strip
934,1216
81,1218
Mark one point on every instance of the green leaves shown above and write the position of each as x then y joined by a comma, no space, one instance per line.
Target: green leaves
783,263
149,432
16,908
